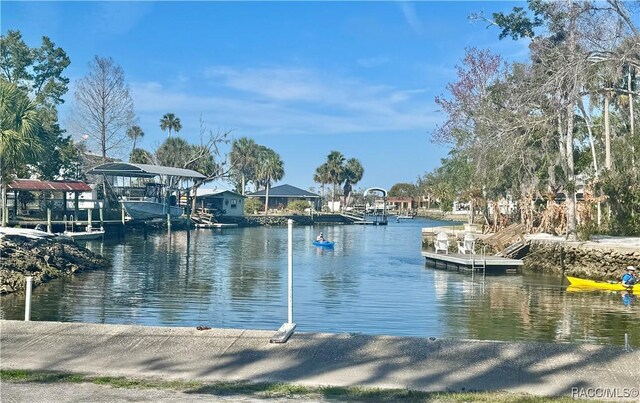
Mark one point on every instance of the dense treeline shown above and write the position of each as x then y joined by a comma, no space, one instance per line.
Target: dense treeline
557,133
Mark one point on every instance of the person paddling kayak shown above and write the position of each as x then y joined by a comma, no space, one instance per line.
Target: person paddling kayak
629,278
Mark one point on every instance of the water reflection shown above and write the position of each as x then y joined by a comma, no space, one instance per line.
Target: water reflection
373,281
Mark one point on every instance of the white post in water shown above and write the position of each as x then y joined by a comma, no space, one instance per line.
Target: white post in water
290,270
27,300
627,348
89,218
286,330
49,228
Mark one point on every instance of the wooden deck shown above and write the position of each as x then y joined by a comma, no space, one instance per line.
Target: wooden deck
468,261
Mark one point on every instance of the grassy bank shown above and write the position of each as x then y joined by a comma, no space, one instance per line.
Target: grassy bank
274,390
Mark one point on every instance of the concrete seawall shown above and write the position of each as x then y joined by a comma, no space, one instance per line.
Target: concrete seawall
315,359
581,259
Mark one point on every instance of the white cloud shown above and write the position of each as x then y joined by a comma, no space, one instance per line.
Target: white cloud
118,18
290,101
409,13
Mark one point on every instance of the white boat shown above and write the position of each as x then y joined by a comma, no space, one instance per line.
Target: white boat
149,209
81,235
405,217
25,232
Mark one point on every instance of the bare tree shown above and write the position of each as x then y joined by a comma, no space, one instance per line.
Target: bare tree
104,107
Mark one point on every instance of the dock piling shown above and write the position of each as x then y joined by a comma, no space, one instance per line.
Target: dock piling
286,330
290,270
49,228
27,299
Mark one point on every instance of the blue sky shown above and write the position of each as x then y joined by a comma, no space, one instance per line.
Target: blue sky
303,78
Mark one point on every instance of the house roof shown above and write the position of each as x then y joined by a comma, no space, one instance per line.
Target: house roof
285,191
143,170
214,192
35,184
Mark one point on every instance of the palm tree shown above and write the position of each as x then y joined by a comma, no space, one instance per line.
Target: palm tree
19,136
322,177
335,170
352,174
134,133
140,156
170,122
244,157
270,168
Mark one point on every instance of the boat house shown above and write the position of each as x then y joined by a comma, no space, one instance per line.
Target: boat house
281,196
31,197
220,202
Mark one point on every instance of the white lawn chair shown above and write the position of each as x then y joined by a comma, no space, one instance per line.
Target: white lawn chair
442,242
467,245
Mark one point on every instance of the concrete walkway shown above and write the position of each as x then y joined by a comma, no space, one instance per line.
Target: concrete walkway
315,359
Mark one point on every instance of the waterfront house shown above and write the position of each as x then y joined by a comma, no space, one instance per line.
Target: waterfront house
281,196
220,202
402,203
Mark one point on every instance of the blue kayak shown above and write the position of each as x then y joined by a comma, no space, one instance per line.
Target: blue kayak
325,244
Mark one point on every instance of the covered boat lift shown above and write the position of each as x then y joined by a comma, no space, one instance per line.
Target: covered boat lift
145,192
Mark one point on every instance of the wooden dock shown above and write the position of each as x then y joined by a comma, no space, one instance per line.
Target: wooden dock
471,261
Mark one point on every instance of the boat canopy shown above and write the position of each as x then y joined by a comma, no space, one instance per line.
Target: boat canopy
143,170
371,190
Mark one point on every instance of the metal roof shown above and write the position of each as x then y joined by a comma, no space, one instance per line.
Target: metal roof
285,191
143,170
35,184
214,192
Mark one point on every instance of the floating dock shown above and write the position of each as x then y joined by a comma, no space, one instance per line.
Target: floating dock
370,222
471,261
215,225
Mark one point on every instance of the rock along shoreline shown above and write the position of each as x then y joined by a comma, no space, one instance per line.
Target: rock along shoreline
43,259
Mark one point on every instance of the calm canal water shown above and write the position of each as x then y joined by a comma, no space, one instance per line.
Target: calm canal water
374,281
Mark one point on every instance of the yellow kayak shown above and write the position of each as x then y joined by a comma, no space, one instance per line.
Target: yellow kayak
603,285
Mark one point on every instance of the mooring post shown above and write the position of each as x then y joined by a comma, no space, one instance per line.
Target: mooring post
49,229
286,330
101,218
122,211
290,270
89,217
627,348
27,300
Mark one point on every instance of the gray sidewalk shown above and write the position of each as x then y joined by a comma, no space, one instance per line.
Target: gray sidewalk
314,359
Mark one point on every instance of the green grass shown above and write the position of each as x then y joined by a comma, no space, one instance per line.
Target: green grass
276,390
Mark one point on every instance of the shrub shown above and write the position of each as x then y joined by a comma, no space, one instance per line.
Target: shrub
298,205
252,205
